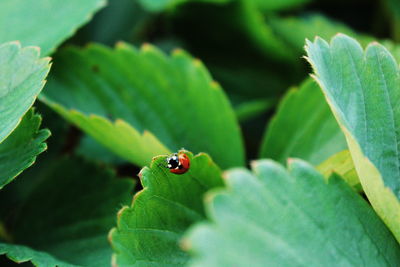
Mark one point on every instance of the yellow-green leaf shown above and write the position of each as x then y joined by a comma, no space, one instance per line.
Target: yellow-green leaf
363,90
148,232
143,103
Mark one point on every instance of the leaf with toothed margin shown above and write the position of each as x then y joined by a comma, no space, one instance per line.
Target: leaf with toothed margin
363,91
20,149
20,254
22,74
44,23
342,164
278,217
75,202
303,127
159,103
148,232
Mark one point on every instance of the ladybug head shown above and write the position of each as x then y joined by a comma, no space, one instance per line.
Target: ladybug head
173,162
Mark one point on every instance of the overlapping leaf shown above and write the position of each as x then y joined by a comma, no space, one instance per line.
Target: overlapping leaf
283,37
250,109
22,75
272,5
303,127
160,5
20,149
91,150
244,76
278,217
119,20
294,30
63,215
44,23
149,231
363,90
22,254
342,164
160,103
262,34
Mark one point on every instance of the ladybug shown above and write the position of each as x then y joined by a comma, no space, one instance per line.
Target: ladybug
178,163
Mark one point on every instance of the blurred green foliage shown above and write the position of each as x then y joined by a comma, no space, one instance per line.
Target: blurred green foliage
130,80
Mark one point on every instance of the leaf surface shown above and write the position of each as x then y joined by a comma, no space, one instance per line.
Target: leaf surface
44,23
22,254
342,164
277,217
159,103
21,148
149,231
22,75
250,109
160,5
303,127
294,30
363,91
272,5
64,213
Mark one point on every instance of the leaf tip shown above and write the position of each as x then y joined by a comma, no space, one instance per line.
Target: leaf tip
121,45
177,51
291,161
215,85
197,62
307,44
185,244
110,234
146,47
13,44
341,35
143,171
120,212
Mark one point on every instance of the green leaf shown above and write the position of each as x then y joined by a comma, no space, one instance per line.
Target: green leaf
247,75
160,5
393,8
22,75
362,89
91,150
148,232
294,30
252,108
278,217
44,23
303,127
262,35
22,254
282,37
160,103
66,212
122,20
342,164
20,149
273,5
392,47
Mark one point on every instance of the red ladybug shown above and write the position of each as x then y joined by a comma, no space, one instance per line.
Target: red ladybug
178,163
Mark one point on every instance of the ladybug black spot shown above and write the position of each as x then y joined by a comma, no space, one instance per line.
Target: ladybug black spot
173,162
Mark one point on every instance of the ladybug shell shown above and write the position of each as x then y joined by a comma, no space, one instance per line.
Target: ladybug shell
183,166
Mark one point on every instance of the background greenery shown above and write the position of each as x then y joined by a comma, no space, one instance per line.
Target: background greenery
129,80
